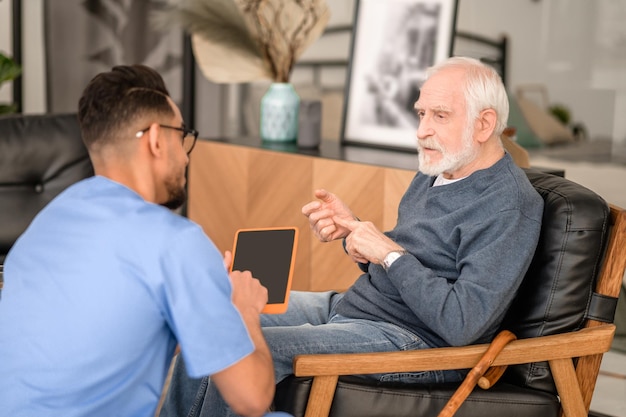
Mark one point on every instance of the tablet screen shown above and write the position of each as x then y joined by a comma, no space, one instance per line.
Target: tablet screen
268,253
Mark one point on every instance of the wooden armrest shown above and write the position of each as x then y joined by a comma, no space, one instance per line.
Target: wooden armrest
557,349
589,341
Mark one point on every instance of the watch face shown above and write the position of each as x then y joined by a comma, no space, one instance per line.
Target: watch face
390,258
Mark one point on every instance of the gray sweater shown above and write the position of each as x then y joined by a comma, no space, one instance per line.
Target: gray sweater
470,244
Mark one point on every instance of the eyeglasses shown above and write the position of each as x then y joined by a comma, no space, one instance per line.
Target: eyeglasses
189,136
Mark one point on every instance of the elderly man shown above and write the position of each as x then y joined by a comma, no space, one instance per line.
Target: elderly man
446,273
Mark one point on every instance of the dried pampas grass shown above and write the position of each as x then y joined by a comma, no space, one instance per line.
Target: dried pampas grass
248,40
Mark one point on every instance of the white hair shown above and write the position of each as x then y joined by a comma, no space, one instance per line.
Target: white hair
483,89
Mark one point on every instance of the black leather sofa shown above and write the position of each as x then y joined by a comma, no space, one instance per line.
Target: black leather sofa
40,156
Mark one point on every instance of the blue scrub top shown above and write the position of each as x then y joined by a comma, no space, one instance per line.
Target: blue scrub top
97,293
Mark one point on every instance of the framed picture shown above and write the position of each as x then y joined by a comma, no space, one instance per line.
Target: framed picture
394,42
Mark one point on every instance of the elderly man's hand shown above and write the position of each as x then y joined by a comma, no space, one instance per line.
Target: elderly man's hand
322,214
365,243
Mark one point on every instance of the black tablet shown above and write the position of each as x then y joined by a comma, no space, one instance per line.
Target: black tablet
270,254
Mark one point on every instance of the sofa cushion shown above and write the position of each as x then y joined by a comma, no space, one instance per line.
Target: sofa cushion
40,156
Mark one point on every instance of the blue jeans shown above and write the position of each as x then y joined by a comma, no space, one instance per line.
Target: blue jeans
310,325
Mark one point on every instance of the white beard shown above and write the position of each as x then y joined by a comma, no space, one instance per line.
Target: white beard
449,162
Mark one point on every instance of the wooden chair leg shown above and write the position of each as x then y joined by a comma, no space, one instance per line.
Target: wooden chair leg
321,396
464,390
567,386
587,370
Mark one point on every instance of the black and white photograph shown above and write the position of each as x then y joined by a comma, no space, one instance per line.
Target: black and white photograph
394,42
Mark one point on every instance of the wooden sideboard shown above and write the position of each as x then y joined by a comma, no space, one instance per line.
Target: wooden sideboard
233,186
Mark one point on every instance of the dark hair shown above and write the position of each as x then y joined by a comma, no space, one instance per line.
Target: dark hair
115,99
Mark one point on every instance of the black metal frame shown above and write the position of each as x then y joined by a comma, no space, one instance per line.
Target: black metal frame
189,83
17,51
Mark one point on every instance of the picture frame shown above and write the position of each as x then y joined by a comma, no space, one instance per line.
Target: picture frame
393,43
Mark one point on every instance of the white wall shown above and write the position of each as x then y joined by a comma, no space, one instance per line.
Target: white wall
570,46
34,81
566,45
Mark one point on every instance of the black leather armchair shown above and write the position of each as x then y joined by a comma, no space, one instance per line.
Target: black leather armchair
40,156
569,292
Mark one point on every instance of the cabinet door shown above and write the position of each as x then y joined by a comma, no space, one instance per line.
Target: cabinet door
218,190
279,184
361,187
373,194
233,187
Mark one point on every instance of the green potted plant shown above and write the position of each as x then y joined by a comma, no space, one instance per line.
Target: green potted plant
561,112
9,70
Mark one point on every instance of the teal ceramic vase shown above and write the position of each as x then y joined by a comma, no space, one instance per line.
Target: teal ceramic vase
279,113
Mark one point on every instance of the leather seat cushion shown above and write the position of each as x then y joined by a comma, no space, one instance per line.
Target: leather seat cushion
356,398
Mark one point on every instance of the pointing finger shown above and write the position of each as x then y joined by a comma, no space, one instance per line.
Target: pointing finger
309,208
323,195
348,224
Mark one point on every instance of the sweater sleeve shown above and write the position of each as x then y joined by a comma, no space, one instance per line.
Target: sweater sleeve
492,259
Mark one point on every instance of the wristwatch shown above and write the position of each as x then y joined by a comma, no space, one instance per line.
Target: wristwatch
391,258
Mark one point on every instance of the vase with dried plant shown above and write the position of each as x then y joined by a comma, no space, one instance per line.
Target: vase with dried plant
236,41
